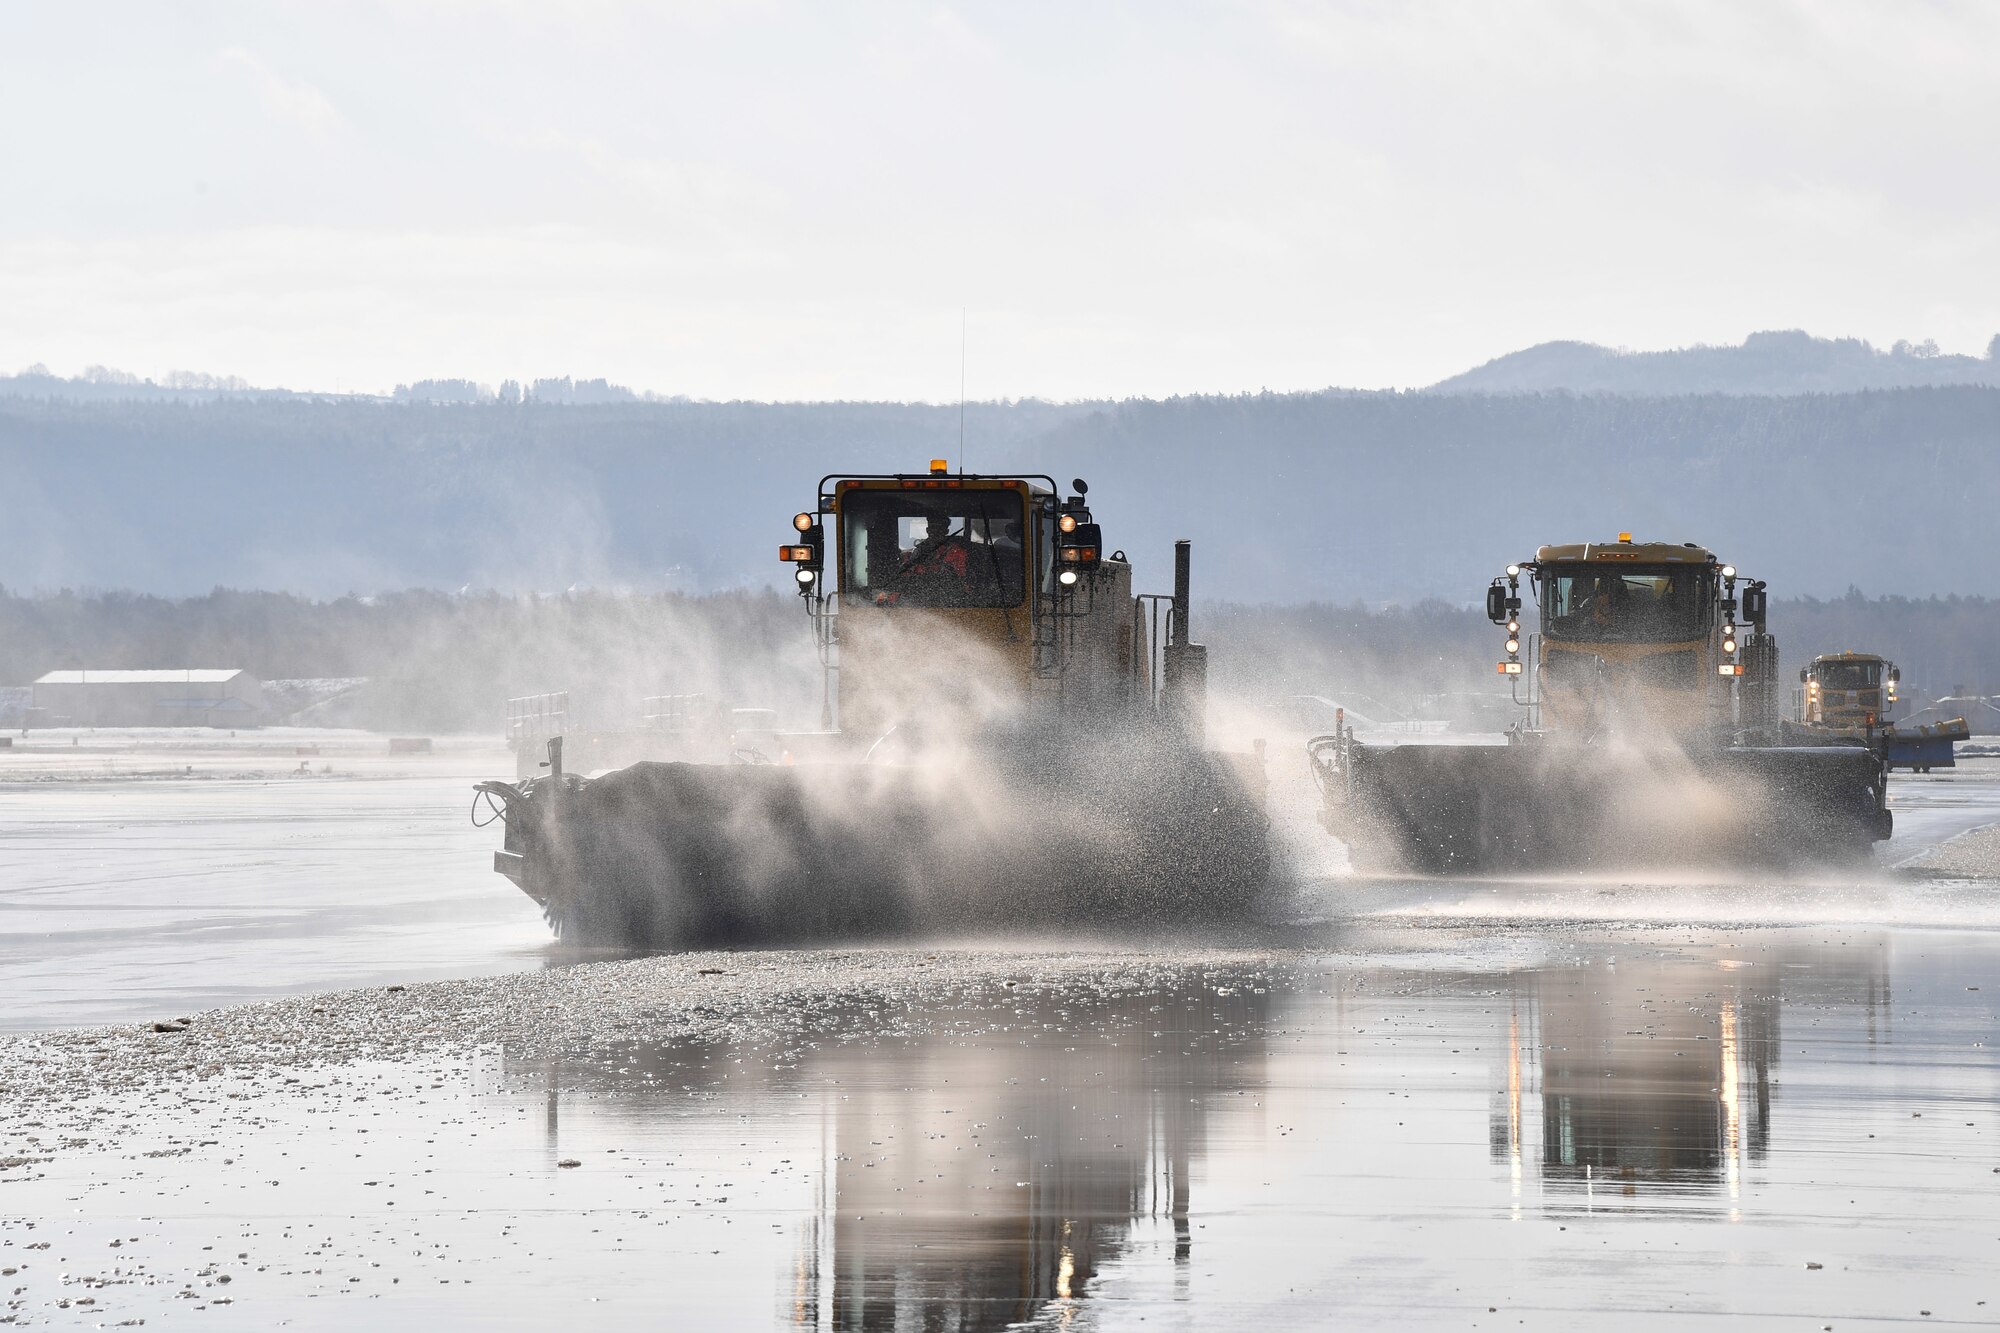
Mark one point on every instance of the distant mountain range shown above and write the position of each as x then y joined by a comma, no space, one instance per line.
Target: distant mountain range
1821,464
1338,497
1778,362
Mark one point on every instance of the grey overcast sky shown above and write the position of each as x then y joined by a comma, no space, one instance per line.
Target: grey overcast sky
780,200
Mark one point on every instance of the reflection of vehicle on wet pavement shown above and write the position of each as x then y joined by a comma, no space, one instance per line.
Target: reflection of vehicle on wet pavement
971,1175
1006,736
1096,1126
1851,697
1650,1077
1652,734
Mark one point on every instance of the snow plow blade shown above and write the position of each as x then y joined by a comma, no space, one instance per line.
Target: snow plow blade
1471,809
678,855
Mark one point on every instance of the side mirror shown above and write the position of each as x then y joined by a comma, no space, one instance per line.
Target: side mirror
1895,675
1496,604
1756,601
1802,675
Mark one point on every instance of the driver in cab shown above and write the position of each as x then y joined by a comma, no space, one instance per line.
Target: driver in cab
933,573
942,551
1604,605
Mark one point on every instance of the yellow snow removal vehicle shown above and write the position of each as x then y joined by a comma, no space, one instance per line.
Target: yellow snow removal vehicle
1851,697
1652,736
1007,739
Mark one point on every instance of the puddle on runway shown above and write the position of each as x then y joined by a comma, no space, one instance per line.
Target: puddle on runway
1650,1129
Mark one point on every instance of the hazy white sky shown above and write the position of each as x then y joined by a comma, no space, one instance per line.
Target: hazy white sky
796,201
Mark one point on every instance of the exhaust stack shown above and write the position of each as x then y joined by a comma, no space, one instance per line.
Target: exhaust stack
1184,684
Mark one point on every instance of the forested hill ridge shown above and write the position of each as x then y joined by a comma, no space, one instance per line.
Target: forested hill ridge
1777,362
1376,497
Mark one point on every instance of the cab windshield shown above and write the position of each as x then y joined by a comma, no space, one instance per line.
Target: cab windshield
1598,605
934,548
1849,675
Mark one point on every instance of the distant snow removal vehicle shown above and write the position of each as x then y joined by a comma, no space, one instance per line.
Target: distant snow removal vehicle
1850,698
1652,736
1007,739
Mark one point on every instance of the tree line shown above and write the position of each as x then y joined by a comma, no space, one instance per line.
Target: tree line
443,662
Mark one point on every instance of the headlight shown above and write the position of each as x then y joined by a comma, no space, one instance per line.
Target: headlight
1513,571
1513,645
806,576
1067,522
1729,571
803,522
1729,645
1066,578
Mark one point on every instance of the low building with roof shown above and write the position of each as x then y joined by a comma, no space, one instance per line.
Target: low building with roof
179,697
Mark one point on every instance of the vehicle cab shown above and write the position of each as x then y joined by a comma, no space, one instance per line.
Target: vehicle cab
951,595
1848,690
1632,635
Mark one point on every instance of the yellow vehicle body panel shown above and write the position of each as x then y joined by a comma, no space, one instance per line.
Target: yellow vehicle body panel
1574,700
938,663
1647,553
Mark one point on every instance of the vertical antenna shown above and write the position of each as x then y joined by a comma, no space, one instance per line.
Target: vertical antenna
961,388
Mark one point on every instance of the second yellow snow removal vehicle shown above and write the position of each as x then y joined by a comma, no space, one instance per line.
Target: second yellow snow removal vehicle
1007,738
1851,698
1651,736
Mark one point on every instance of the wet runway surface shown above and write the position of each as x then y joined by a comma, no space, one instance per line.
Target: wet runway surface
1444,1129
1541,1104
127,895
1933,807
